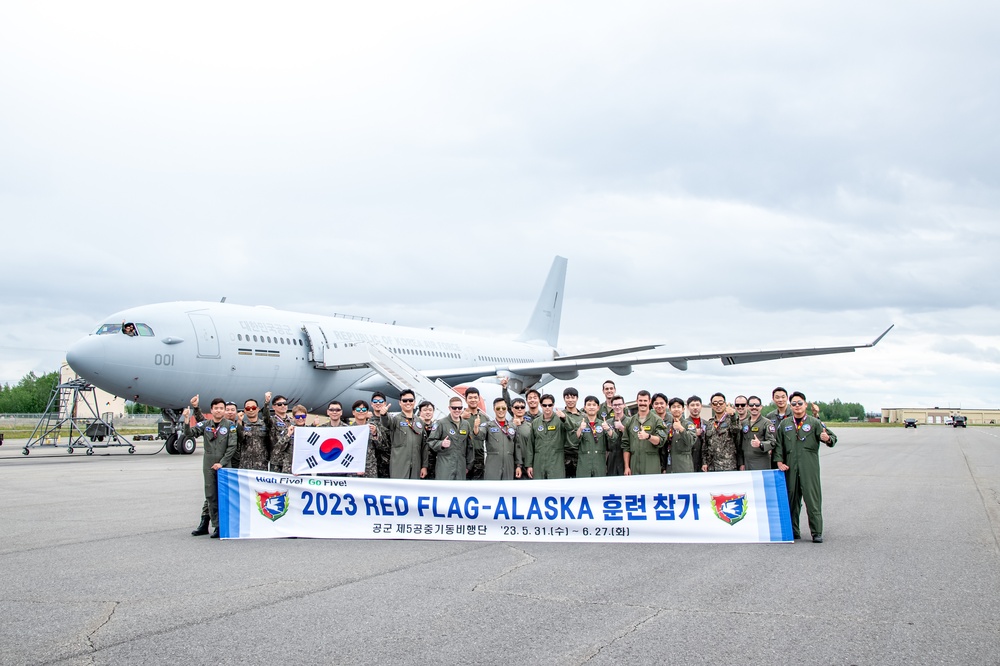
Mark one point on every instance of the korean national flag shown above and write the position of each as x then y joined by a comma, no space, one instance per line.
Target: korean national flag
330,450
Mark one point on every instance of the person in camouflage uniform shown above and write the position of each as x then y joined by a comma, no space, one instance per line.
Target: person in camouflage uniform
757,437
252,438
721,451
641,440
279,433
377,437
379,408
218,444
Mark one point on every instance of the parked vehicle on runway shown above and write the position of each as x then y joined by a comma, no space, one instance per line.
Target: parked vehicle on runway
958,421
909,423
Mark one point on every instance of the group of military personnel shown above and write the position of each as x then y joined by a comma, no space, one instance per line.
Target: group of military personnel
530,438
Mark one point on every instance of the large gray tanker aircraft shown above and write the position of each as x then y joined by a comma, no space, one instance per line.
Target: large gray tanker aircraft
163,354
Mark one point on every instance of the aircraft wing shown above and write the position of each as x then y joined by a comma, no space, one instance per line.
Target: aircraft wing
621,364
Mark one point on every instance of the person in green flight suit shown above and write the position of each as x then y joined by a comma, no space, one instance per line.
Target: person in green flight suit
681,437
219,444
503,446
757,437
644,432
797,455
592,439
574,417
451,439
406,436
546,458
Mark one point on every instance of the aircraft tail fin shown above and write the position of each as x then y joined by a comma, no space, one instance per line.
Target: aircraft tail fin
544,323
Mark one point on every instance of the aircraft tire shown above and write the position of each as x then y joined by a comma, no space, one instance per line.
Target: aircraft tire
171,444
186,446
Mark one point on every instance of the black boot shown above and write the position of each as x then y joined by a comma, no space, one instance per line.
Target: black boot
202,528
215,534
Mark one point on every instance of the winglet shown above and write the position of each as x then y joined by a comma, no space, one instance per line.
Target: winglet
544,323
881,336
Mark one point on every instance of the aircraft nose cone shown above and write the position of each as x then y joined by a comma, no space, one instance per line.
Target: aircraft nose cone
87,357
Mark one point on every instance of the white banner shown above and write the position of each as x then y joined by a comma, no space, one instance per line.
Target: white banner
330,450
725,507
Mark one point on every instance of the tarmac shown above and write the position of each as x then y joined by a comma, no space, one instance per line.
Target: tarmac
100,568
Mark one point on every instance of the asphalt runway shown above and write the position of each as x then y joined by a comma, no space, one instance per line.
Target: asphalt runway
100,568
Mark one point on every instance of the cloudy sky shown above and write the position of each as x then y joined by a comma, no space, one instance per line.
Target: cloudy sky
722,176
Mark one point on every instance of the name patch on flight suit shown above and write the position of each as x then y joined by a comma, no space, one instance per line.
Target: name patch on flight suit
647,428
463,432
789,427
494,429
551,427
756,429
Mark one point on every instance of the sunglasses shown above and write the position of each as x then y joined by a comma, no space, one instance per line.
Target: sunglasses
280,404
249,409
299,417
376,401
717,403
458,408
753,404
547,404
361,409
406,399
740,404
797,403
335,409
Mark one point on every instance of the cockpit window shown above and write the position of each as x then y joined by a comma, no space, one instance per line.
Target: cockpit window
127,328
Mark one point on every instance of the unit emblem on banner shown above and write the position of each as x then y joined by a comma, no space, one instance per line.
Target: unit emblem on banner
272,505
730,509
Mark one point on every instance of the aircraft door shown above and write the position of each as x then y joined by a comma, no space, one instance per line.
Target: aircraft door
318,344
205,333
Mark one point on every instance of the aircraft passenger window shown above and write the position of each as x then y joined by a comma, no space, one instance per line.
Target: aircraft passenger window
255,338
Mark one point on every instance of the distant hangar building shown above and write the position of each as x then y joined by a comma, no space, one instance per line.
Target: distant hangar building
939,415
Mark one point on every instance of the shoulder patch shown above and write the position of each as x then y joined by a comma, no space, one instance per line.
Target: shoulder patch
771,427
746,428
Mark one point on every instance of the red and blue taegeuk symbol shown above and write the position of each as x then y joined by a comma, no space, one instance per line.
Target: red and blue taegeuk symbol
331,449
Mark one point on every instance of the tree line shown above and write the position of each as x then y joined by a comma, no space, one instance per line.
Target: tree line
832,411
31,395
